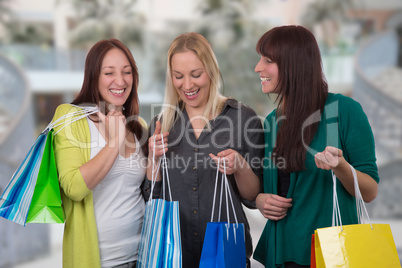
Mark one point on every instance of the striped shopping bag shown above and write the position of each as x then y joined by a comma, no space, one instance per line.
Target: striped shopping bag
33,193
16,198
160,244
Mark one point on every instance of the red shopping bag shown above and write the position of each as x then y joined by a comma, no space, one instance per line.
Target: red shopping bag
312,262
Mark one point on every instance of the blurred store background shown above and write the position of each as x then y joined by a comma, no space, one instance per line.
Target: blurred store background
43,44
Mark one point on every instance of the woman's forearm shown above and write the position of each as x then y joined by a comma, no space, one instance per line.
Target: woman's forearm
95,170
247,182
153,170
368,186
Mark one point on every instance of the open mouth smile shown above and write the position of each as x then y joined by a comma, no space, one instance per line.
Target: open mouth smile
117,92
191,93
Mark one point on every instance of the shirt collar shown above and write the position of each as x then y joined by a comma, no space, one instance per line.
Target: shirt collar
232,103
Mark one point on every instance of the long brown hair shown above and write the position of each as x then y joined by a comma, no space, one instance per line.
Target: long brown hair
302,89
90,94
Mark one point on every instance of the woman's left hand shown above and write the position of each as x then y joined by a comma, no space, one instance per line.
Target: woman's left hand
328,159
331,158
247,181
233,161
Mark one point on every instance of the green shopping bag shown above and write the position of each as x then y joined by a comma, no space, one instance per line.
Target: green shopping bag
46,204
34,186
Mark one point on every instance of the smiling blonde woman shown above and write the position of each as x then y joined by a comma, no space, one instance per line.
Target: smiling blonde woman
199,125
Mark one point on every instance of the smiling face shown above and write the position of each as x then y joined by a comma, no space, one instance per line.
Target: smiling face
191,80
269,74
115,79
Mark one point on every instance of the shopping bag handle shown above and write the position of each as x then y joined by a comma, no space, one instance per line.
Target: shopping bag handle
69,118
165,174
224,185
154,170
360,205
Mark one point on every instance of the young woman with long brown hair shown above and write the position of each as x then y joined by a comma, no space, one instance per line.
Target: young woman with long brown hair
101,161
310,133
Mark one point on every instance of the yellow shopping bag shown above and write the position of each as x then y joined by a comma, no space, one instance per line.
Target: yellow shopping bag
357,245
353,246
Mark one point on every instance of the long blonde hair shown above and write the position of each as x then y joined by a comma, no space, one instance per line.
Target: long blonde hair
196,43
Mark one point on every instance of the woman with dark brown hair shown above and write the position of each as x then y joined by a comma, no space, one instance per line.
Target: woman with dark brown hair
310,133
101,162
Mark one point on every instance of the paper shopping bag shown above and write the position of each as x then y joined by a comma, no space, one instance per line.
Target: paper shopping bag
160,243
42,202
152,234
224,242
224,246
357,245
46,204
172,253
312,259
16,198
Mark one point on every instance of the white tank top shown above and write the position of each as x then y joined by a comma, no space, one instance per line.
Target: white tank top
119,205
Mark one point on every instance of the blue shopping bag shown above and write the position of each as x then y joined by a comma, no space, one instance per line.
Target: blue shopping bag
172,251
16,200
224,242
160,243
224,245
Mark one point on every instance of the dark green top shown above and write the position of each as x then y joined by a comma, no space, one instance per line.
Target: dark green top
343,125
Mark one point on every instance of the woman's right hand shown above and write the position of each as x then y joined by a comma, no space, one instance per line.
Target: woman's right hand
273,207
161,146
114,124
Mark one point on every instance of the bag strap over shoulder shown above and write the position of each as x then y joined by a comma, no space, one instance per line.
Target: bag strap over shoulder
69,118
